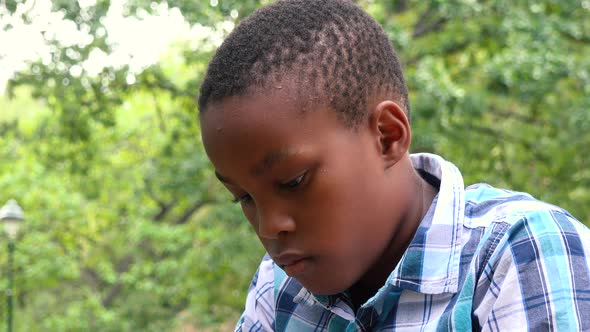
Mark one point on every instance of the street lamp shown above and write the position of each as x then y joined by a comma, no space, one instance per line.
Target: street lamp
11,215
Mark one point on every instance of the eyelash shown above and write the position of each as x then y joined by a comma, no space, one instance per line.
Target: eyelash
242,199
294,183
291,185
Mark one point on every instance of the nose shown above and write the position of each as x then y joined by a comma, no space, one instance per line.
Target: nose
272,222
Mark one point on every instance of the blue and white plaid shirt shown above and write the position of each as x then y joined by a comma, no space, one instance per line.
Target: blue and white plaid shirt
481,259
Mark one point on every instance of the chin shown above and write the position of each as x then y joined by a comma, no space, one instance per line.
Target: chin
323,287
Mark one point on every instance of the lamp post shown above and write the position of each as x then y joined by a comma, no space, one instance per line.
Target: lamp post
11,215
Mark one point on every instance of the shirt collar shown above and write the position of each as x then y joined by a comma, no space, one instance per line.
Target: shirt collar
430,265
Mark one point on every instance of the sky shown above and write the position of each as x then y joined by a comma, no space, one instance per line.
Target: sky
138,41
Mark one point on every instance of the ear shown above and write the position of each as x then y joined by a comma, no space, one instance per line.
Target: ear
391,128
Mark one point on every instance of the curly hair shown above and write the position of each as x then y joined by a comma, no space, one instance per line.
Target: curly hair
337,54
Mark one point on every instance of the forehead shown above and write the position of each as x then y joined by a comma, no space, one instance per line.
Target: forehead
263,128
253,112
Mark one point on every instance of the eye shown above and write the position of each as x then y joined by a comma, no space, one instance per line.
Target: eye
244,199
294,183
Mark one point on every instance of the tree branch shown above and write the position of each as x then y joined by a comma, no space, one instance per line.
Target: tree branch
160,114
189,212
503,135
571,37
422,29
114,291
164,207
92,277
448,50
526,119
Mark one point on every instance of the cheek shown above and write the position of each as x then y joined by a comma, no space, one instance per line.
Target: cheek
250,214
340,199
351,183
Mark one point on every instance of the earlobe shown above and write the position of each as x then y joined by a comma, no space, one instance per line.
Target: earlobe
392,129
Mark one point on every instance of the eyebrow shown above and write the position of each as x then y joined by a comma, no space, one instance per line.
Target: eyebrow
271,159
267,163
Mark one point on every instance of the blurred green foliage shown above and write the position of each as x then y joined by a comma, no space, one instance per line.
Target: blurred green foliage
128,230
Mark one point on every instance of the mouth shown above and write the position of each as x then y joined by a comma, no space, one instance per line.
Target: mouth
292,264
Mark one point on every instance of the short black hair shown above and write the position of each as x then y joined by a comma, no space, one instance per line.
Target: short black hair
337,54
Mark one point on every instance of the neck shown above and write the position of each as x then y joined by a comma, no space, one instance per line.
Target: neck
419,202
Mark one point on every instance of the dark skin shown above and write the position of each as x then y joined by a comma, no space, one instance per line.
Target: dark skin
334,207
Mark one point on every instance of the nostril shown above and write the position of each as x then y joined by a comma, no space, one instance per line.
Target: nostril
274,225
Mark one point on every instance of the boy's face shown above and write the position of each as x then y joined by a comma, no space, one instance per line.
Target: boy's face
312,189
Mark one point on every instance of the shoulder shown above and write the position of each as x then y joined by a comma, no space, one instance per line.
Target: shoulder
537,271
523,225
522,214
550,237
486,205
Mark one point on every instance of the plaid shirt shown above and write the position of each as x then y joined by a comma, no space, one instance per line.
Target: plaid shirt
481,259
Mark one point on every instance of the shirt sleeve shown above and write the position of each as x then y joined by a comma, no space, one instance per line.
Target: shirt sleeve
538,278
260,305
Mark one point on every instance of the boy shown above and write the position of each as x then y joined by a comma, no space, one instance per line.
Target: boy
305,116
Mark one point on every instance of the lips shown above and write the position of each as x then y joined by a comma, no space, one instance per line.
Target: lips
288,259
292,264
